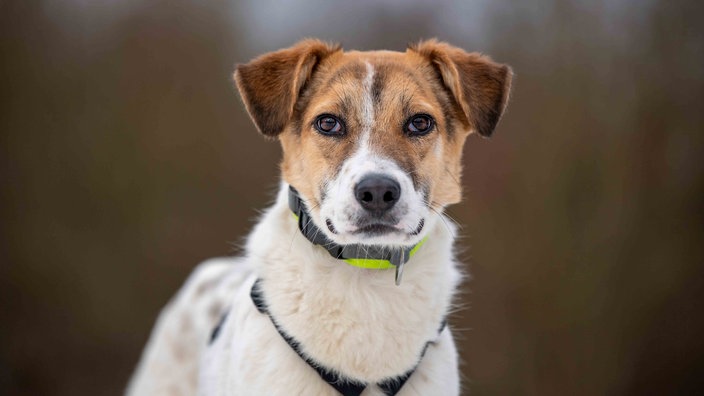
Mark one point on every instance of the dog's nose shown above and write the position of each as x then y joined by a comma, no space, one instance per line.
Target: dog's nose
377,193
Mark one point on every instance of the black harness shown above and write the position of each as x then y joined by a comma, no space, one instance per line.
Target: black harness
345,386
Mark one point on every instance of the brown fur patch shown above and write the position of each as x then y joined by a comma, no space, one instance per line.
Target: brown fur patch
215,311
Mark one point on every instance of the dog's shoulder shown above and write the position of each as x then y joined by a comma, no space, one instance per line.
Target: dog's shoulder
184,326
209,287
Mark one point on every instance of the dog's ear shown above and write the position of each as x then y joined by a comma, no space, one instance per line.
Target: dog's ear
271,84
479,86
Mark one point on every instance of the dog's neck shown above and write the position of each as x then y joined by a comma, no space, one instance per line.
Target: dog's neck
351,319
362,256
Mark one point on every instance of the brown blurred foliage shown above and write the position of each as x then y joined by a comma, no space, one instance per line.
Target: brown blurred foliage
126,158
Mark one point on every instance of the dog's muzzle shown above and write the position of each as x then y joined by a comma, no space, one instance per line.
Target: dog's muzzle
363,256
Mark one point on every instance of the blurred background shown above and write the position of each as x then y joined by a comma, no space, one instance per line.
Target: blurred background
126,158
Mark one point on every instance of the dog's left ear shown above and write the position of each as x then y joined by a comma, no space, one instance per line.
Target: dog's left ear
271,84
478,85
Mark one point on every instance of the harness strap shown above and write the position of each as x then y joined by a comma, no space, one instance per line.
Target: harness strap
345,386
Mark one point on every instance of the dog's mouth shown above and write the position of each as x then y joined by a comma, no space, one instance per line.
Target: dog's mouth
377,228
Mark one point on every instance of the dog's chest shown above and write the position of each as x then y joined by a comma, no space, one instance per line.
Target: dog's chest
250,357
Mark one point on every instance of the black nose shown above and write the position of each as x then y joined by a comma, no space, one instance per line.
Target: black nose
377,192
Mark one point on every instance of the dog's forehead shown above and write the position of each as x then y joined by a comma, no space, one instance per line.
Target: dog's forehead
382,65
385,77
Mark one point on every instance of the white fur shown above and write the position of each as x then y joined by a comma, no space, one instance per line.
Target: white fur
349,319
367,104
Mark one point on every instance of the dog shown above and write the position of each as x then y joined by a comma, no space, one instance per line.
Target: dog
347,280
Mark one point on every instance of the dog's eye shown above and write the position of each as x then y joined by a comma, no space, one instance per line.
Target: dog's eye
329,125
419,125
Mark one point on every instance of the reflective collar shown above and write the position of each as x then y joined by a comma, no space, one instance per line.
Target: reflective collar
362,256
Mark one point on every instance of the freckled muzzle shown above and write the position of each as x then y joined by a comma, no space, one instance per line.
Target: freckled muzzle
372,201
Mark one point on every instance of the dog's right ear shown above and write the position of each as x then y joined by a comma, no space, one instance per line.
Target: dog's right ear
271,84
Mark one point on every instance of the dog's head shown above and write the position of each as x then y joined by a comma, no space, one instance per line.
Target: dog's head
373,140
